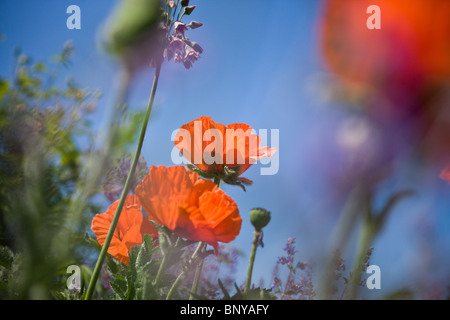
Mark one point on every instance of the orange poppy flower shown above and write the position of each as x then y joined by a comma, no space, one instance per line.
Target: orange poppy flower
191,207
210,145
132,225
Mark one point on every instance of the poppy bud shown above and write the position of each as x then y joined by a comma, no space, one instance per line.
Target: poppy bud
259,218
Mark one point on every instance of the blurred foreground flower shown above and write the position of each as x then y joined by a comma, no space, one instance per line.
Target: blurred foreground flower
234,149
401,69
144,32
132,33
191,207
130,229
445,174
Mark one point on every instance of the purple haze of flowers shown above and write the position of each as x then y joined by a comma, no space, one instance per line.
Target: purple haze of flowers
298,284
117,175
290,252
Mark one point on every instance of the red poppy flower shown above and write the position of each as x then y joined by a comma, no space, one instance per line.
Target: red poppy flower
132,225
191,207
210,145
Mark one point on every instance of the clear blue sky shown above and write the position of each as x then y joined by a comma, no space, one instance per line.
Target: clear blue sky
261,65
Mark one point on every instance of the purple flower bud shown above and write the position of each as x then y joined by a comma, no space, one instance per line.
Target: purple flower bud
195,25
171,3
188,10
184,3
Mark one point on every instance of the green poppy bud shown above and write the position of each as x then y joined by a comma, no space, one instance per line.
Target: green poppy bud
259,218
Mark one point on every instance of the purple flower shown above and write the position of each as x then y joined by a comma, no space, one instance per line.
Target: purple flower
179,28
190,56
175,46
183,51
276,282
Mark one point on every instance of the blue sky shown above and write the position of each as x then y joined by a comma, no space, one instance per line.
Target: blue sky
261,65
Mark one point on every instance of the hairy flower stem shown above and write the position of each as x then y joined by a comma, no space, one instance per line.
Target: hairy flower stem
126,189
160,269
183,273
198,271
256,235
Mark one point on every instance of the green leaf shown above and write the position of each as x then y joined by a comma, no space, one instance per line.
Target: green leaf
93,242
132,273
119,285
226,295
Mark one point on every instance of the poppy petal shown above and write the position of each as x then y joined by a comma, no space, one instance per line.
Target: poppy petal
162,191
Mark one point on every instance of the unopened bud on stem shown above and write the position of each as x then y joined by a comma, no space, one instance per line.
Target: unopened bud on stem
259,218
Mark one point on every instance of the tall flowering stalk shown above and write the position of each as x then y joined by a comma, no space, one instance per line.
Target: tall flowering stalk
163,44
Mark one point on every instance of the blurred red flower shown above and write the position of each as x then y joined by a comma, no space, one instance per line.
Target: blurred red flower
404,66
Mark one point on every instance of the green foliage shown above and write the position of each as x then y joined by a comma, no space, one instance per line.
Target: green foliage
129,22
135,282
40,163
252,294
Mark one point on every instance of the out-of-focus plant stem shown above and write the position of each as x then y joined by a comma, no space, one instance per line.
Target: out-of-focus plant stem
356,202
367,235
373,223
126,189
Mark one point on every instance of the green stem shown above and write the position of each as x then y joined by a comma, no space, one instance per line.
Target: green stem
183,273
366,237
125,191
252,261
161,267
198,271
175,285
173,17
354,207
